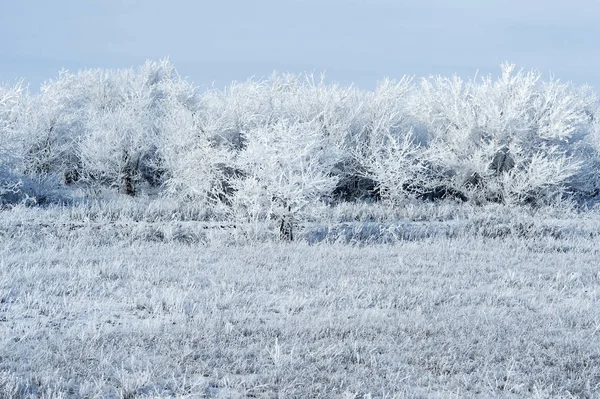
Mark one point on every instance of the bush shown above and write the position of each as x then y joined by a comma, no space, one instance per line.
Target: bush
11,100
273,149
284,171
514,140
20,190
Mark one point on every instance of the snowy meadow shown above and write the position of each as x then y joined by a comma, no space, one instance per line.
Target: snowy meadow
289,237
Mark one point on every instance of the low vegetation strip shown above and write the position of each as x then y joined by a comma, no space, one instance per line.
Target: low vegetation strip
437,317
283,147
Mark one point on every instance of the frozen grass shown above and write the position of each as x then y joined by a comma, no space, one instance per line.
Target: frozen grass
91,306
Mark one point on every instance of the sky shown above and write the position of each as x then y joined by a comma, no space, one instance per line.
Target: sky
352,41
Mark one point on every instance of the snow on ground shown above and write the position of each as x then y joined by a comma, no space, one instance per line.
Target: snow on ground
487,306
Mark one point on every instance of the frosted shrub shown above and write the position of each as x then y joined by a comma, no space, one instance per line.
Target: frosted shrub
112,149
16,189
339,111
122,148
15,186
197,165
225,115
397,167
284,172
11,99
101,128
53,122
583,145
273,149
11,185
390,148
514,140
340,114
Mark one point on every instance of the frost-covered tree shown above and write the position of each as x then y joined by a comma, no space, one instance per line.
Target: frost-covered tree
225,115
197,164
284,171
390,148
120,149
102,127
15,186
337,113
512,140
121,145
54,121
11,98
342,116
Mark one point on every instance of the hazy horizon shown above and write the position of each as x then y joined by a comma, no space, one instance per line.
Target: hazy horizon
351,41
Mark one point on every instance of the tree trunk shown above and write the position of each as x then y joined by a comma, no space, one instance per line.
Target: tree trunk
286,227
128,174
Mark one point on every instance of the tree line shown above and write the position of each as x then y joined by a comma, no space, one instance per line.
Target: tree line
274,148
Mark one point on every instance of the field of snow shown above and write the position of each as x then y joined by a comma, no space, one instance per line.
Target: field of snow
292,238
120,303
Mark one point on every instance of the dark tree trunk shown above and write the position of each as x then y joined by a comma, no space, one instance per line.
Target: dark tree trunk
286,227
129,174
128,185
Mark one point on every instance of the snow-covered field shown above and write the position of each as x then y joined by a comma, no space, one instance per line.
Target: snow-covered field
290,237
94,304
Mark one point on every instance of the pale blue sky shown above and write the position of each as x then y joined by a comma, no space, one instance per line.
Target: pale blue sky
353,40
